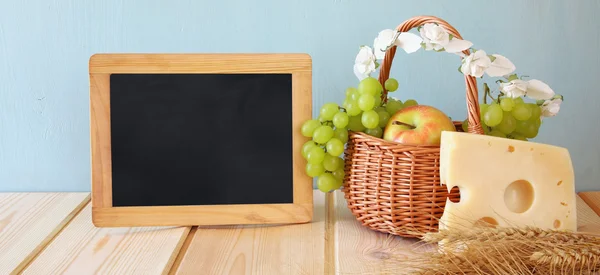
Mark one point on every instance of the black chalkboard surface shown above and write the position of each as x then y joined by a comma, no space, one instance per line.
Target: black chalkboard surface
201,139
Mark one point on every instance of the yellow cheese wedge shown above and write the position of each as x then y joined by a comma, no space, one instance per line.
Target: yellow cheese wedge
505,182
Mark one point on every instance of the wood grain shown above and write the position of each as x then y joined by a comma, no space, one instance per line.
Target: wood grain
359,250
82,248
281,249
100,68
587,219
100,140
592,199
201,215
28,221
194,63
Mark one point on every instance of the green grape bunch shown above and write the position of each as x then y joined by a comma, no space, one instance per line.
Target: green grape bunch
363,110
508,117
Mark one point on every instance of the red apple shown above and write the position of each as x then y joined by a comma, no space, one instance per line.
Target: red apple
419,125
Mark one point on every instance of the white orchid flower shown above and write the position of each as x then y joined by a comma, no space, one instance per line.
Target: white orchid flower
434,36
551,107
407,41
534,89
539,90
476,64
437,38
515,88
364,63
500,66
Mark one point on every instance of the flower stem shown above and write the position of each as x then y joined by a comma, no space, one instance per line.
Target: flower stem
486,90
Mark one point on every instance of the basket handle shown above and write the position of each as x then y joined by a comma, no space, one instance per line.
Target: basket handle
470,81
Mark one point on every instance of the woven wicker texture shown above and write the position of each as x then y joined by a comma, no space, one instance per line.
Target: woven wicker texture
395,188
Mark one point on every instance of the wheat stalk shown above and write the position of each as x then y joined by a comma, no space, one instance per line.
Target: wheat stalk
506,250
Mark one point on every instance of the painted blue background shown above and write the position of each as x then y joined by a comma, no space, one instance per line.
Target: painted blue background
45,47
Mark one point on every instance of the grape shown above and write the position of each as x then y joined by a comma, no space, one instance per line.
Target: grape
340,120
482,109
507,104
376,132
369,86
352,108
341,134
537,122
314,170
521,112
354,96
335,147
508,123
327,182
307,146
519,137
339,174
366,102
383,118
331,163
378,101
350,91
497,133
345,103
355,124
465,125
323,134
370,119
393,106
493,115
391,85
536,111
329,110
309,126
380,109
527,129
315,155
410,102
518,100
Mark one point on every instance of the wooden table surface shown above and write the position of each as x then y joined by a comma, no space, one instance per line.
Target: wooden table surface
52,233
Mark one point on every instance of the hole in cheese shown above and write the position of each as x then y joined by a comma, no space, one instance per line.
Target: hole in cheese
486,222
518,196
556,223
454,195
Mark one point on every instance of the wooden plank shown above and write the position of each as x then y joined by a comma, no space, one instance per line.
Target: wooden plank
592,199
82,248
259,249
359,250
28,221
587,219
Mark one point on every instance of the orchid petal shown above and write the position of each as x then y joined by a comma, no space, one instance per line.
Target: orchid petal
457,45
475,64
515,88
551,108
539,90
358,72
384,39
409,42
500,66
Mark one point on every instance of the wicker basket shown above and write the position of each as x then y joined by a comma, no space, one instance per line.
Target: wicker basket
395,188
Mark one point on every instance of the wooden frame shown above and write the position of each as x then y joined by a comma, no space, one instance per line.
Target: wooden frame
101,66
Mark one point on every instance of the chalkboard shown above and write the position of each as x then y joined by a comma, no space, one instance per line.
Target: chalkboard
199,139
